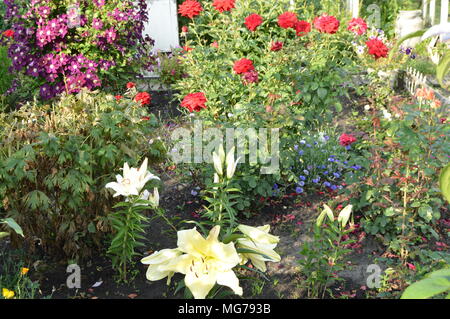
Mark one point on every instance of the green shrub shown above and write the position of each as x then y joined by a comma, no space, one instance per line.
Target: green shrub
56,159
5,74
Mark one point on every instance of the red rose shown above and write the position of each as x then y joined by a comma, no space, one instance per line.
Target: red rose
243,66
118,97
253,21
184,29
326,24
276,46
187,49
194,102
144,98
346,140
145,118
9,33
357,26
223,5
377,48
302,27
443,120
215,44
287,20
190,8
130,85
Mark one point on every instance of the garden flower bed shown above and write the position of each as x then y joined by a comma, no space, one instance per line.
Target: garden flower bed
286,160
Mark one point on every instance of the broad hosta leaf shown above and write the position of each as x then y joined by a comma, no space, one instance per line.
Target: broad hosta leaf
444,182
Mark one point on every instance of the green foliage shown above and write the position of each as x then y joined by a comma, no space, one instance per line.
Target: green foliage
5,75
400,193
128,225
13,279
170,67
55,161
444,182
11,223
435,284
388,14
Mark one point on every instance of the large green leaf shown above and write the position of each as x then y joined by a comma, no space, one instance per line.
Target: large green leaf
436,283
443,68
444,182
12,223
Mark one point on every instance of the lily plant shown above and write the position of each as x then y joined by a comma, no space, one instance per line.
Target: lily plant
128,221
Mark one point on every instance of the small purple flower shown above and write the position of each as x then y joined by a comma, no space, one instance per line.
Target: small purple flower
303,178
334,187
299,190
301,152
327,184
316,180
301,183
337,175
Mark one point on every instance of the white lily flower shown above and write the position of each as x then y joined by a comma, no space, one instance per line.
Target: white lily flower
231,163
259,240
153,198
157,263
344,215
133,180
205,262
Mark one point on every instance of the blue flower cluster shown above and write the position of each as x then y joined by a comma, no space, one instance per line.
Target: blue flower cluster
321,163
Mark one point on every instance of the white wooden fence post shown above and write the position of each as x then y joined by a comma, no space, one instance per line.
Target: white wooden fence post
425,10
433,12
355,8
444,11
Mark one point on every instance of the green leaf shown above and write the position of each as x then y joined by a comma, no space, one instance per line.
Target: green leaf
427,288
444,182
12,223
443,68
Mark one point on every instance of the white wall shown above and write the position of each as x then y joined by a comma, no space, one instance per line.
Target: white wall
163,24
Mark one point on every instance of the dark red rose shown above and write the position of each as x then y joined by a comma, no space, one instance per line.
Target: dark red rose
194,102
253,21
184,29
287,20
302,27
190,8
130,85
144,98
243,66
118,97
377,48
327,24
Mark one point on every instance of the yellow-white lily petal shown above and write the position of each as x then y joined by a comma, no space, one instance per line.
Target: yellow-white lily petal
229,279
217,164
200,284
344,215
259,234
192,242
158,262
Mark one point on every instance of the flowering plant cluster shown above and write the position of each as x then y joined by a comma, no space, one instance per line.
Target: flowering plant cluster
324,162
208,261
83,45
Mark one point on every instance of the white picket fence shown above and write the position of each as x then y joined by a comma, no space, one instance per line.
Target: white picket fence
414,80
